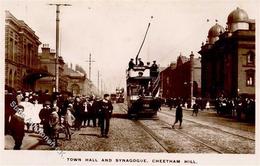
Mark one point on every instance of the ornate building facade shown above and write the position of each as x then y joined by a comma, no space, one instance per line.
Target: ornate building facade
21,55
228,58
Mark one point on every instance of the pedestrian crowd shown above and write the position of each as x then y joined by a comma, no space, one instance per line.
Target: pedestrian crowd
56,113
241,108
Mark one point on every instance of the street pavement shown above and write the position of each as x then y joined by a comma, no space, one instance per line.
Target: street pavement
30,141
124,136
223,134
205,133
210,118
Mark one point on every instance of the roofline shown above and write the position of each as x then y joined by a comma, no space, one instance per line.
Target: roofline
21,23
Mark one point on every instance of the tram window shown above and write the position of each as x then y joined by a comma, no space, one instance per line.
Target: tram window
134,91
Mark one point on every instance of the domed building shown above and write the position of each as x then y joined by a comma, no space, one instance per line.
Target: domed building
214,32
238,20
228,58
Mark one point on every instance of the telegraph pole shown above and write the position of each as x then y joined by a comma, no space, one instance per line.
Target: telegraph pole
89,70
101,87
191,77
57,42
98,81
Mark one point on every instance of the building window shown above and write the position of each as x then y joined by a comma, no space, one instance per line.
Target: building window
29,54
45,67
168,80
250,58
10,76
15,79
24,54
250,77
11,49
15,51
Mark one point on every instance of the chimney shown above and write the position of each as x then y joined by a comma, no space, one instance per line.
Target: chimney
45,48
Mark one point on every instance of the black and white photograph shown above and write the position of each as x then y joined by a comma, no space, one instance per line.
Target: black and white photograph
129,82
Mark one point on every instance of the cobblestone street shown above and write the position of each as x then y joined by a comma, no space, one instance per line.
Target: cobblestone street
206,133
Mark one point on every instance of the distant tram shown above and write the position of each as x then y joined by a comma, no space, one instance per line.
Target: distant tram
120,95
113,97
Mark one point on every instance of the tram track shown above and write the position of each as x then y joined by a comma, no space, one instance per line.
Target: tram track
214,145
149,132
209,127
165,147
196,139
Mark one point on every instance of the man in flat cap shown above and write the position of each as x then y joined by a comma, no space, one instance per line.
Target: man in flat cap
141,63
131,64
105,114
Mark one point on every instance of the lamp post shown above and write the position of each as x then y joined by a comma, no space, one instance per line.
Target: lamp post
57,42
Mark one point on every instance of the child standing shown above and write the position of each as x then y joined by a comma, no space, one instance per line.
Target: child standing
68,122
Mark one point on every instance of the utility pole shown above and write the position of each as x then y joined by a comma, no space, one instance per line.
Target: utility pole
57,42
101,87
98,82
191,77
90,62
89,72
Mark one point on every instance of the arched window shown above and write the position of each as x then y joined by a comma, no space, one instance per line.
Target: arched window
250,58
250,77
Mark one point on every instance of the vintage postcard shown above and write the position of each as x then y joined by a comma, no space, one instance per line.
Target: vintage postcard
129,82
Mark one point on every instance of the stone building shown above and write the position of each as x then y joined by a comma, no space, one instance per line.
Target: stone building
166,81
78,83
228,58
47,61
71,81
21,55
176,79
75,79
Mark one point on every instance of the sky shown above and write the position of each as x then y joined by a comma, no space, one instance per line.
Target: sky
112,30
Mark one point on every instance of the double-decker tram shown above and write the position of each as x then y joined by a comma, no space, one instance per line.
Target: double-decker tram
142,89
142,82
